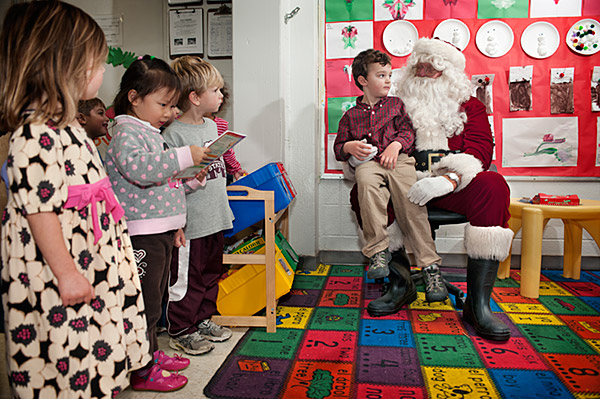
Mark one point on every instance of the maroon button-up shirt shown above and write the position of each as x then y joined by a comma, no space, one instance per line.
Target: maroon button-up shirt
382,124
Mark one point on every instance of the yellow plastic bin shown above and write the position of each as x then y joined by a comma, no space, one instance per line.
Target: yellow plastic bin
243,293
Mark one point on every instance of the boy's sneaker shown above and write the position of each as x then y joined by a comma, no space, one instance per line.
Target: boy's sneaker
192,344
213,332
435,289
157,380
378,265
160,329
169,363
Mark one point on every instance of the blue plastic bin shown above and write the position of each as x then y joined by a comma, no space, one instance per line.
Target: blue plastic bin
271,177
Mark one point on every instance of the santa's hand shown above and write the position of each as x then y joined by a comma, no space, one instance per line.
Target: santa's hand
430,187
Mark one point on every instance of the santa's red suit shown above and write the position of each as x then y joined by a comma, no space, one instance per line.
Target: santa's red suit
449,119
482,196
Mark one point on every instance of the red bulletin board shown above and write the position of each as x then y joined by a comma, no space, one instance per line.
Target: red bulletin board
478,63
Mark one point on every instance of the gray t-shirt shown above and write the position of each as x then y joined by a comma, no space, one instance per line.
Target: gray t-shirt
208,209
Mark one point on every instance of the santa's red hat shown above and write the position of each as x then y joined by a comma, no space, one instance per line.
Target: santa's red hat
424,48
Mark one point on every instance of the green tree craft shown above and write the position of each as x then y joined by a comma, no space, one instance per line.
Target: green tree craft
117,57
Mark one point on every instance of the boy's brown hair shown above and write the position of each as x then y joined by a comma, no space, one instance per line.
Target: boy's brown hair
360,65
195,75
86,106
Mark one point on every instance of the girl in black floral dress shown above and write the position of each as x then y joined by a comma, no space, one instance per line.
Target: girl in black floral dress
74,314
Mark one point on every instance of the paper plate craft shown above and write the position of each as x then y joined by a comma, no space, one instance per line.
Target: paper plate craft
399,38
396,73
453,31
583,37
540,39
494,38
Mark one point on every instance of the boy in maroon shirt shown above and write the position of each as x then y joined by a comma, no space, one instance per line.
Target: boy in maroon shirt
376,137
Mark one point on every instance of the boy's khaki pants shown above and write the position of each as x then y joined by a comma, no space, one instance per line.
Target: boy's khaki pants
376,185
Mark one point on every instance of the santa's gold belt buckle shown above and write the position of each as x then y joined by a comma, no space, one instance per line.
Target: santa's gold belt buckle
434,157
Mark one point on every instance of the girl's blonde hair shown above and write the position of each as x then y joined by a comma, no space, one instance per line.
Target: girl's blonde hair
195,75
46,51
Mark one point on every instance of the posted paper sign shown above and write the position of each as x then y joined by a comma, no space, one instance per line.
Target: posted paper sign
217,148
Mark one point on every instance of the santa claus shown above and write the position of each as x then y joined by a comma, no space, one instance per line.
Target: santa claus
454,152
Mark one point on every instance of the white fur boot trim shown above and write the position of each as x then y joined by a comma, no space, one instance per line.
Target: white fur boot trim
396,237
491,243
394,234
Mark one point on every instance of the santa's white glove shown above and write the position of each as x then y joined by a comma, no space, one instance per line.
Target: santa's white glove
430,187
354,162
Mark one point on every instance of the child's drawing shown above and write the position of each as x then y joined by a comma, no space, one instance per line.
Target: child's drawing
539,142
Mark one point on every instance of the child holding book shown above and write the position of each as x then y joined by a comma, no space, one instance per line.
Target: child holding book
196,267
141,167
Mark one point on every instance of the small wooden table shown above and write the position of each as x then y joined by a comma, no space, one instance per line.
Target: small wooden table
533,219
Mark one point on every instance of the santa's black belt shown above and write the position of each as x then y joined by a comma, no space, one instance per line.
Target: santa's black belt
424,159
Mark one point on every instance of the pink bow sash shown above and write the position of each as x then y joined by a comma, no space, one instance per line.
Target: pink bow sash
82,195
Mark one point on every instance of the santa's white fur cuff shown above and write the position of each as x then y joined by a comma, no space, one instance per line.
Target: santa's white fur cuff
465,165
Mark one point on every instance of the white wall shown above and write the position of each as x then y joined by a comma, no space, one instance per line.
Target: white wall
275,89
145,31
320,217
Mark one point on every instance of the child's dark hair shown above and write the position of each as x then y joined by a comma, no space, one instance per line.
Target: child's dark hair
86,106
360,65
145,76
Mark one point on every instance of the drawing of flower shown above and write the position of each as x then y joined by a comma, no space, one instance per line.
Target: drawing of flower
549,138
349,36
398,8
563,155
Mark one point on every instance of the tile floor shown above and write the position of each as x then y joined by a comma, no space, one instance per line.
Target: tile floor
200,371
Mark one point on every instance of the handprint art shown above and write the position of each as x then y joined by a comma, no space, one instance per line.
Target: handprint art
349,34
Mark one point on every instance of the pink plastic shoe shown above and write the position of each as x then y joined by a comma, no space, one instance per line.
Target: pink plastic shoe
157,380
166,362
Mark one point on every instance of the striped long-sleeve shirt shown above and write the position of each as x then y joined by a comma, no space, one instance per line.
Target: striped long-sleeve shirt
231,163
382,124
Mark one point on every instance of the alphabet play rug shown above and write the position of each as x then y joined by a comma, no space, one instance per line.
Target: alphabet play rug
327,346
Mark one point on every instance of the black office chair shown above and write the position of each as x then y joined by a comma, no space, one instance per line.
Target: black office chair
438,217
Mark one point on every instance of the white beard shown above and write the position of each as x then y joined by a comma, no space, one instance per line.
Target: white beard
434,107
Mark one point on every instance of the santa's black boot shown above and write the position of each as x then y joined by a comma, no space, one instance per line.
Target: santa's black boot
481,274
401,289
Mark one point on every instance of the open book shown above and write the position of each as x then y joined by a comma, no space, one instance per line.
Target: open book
217,148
